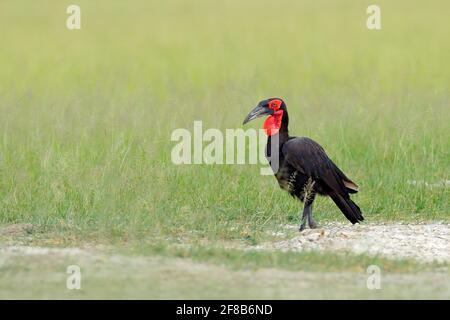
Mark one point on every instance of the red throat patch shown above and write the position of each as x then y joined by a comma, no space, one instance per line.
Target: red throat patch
273,123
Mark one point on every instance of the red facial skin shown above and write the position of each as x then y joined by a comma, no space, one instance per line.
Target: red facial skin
275,104
273,123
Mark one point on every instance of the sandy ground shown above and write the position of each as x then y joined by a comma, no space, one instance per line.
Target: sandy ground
422,242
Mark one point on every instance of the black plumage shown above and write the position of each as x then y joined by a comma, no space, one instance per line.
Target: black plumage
304,169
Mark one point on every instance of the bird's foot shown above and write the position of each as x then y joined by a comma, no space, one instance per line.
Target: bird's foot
313,225
302,227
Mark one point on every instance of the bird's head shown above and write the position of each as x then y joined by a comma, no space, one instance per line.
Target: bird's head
274,108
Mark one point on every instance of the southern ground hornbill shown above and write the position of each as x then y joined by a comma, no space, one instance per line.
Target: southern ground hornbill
303,168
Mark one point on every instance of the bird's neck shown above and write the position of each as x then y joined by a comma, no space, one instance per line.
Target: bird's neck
281,136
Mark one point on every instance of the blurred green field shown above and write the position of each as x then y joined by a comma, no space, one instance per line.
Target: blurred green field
131,277
86,115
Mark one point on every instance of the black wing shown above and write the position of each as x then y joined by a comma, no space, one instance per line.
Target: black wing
308,157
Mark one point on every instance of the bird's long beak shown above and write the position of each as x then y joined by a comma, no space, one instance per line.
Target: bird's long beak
257,112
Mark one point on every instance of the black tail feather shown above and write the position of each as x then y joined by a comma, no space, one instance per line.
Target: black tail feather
350,209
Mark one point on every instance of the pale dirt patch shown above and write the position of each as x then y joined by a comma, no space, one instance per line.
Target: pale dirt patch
17,230
425,242
438,184
422,242
40,251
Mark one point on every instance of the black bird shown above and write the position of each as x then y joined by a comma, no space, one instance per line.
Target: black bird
303,168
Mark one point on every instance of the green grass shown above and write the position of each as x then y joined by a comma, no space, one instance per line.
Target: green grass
86,118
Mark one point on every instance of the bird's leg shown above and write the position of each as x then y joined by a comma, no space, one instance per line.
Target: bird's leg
312,224
308,197
306,209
